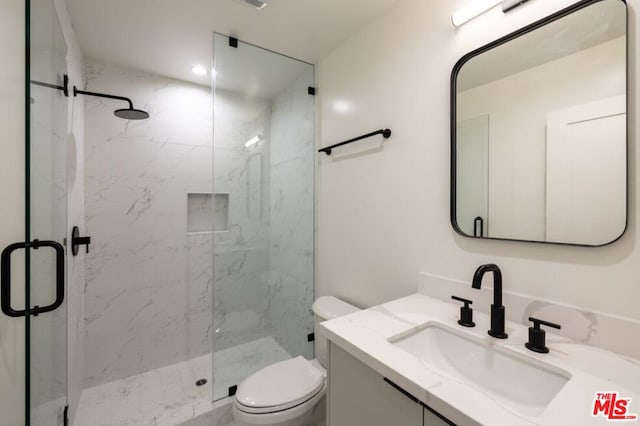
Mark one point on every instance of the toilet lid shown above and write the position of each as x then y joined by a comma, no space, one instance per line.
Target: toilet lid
280,386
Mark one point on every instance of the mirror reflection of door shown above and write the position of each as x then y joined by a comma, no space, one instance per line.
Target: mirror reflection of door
473,176
586,144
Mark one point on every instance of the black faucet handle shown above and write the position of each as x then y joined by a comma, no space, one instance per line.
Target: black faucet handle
538,322
537,335
466,302
466,313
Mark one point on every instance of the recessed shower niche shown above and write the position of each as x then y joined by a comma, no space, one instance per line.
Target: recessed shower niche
201,208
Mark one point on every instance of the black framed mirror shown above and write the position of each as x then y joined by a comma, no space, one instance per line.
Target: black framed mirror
539,131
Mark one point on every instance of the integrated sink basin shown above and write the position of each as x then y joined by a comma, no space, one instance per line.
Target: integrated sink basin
522,385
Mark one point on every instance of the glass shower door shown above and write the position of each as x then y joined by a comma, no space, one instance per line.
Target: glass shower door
46,210
264,210
33,320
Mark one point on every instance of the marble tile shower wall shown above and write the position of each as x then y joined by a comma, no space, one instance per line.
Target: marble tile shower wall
292,216
264,260
148,282
242,250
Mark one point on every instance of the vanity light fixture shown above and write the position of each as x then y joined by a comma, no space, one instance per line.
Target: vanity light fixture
199,70
254,140
478,7
472,10
507,5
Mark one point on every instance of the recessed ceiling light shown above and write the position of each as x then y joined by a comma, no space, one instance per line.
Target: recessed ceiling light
198,70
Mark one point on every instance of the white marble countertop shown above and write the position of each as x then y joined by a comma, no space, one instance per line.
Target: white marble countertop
365,335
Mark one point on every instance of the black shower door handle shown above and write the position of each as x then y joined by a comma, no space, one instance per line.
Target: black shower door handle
5,278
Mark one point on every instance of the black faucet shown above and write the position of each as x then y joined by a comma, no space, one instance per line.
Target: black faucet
497,309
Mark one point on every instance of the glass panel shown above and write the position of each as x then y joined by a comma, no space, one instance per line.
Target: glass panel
12,166
264,165
46,333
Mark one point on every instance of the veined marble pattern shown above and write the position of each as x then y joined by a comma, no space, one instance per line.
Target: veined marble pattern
168,396
241,296
241,254
163,397
50,412
292,201
149,282
199,212
232,365
611,332
264,261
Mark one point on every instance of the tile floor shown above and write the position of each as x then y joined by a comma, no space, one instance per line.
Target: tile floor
168,396
234,364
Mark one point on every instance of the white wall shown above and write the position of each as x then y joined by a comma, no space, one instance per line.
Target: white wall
384,214
12,122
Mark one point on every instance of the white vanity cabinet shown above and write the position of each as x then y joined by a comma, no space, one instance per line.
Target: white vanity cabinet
431,419
359,396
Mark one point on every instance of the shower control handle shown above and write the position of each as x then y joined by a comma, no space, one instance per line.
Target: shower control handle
77,241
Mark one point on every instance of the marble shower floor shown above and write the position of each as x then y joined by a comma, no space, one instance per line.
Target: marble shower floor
232,365
168,396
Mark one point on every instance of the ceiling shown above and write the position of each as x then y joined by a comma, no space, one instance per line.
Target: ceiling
169,37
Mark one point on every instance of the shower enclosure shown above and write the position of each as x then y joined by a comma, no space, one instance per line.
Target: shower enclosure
201,217
264,210
202,221
33,322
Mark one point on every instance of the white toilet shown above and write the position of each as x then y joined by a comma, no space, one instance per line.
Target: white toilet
284,394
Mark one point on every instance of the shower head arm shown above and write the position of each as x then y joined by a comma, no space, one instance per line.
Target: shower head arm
64,88
77,92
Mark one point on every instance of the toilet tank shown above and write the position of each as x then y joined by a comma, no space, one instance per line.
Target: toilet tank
326,308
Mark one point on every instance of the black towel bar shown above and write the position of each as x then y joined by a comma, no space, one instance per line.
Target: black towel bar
386,133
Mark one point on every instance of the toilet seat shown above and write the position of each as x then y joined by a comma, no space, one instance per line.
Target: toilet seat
279,387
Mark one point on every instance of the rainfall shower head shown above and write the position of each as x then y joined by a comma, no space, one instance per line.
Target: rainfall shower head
126,113
131,114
